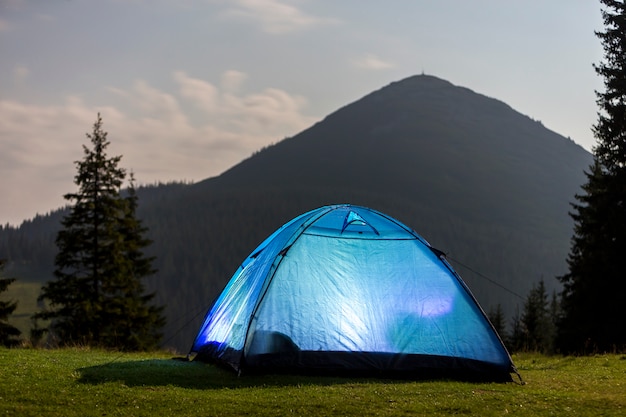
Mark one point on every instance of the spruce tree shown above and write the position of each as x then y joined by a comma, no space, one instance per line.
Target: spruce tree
9,334
594,288
97,297
496,317
138,322
536,321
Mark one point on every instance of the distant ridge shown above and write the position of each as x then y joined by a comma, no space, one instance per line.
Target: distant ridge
485,184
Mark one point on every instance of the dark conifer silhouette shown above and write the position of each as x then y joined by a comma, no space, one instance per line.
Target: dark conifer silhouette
497,319
97,297
9,334
594,295
536,320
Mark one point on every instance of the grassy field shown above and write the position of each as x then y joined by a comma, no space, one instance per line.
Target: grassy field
25,293
83,382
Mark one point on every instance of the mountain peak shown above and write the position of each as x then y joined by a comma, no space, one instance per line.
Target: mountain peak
423,80
413,84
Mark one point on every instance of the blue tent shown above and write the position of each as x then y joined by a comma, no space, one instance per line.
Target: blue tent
347,288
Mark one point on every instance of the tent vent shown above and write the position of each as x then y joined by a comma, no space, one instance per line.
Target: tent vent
355,219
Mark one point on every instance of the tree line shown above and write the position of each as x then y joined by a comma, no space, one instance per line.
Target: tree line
534,327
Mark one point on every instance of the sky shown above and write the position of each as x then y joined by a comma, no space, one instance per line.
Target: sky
188,88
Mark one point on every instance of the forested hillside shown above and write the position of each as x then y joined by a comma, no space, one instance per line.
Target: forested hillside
483,183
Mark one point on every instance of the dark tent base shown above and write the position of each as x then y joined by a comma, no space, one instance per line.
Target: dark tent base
367,364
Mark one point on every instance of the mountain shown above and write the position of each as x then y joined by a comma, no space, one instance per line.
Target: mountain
485,184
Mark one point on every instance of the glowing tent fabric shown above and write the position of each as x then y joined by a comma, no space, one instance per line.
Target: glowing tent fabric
347,288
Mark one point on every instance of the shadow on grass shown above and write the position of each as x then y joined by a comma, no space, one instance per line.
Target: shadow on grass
196,375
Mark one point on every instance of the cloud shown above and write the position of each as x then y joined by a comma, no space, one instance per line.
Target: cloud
4,25
267,114
372,62
154,130
275,16
202,93
39,146
157,104
232,80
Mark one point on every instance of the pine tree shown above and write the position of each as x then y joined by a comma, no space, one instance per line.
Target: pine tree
555,313
516,338
536,321
137,322
9,334
594,289
496,317
97,297
533,330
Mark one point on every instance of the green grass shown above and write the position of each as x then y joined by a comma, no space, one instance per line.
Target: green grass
25,293
83,382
